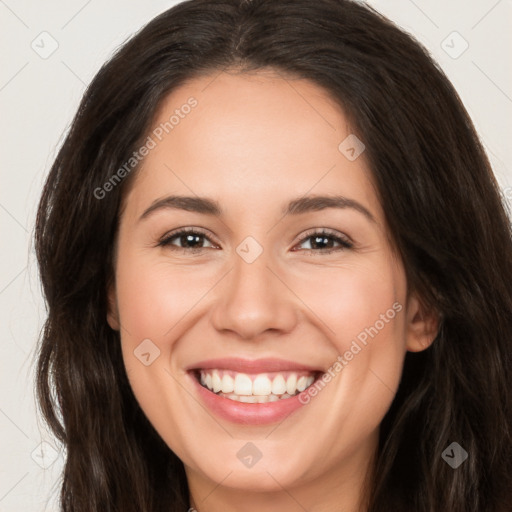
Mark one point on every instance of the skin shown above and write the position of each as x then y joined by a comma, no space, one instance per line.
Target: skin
253,143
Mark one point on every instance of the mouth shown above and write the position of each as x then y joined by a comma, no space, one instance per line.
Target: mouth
255,388
253,392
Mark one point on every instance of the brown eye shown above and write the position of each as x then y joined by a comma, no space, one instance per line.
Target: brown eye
325,242
189,239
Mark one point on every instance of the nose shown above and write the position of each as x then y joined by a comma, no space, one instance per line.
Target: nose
254,300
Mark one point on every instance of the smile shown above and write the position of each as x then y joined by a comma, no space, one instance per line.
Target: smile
255,388
257,392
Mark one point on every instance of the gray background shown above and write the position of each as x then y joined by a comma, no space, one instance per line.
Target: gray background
39,92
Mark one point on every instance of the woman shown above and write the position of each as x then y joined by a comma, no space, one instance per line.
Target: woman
276,263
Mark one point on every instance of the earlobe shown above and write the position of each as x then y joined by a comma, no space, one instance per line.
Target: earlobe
422,325
112,313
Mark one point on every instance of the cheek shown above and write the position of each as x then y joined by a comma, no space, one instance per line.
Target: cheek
153,296
355,302
153,302
361,309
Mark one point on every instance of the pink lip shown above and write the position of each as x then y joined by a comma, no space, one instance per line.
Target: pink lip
243,413
249,366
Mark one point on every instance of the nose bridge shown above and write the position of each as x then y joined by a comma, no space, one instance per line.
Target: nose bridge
253,300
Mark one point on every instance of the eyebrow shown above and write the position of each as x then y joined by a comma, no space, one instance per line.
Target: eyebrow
297,206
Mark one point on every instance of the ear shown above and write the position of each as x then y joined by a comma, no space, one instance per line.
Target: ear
112,312
422,325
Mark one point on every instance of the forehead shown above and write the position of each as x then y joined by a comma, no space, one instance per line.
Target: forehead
258,136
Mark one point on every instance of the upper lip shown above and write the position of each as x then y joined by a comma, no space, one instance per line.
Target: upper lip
252,366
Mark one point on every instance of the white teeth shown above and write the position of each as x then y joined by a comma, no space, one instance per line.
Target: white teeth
265,387
262,385
216,382
291,384
253,399
243,384
279,385
228,384
301,383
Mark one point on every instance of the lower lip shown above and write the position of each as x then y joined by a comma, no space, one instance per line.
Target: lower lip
249,414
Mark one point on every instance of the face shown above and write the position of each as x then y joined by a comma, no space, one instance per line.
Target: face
264,320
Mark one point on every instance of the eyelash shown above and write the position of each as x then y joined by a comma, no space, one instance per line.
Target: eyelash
342,241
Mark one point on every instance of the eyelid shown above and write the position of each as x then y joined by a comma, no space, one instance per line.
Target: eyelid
345,241
164,240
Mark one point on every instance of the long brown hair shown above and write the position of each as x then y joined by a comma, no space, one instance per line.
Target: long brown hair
441,201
